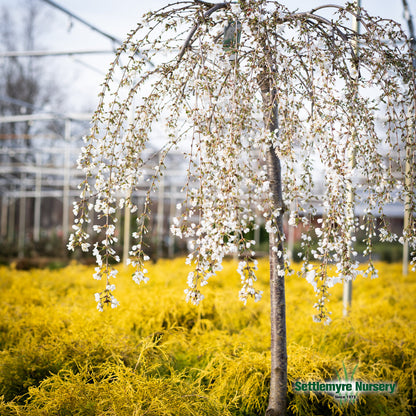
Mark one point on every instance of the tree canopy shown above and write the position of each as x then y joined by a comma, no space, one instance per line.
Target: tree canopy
330,87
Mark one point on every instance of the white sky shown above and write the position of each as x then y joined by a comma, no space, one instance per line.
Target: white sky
117,17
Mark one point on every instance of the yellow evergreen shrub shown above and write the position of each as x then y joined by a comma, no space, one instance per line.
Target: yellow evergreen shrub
157,355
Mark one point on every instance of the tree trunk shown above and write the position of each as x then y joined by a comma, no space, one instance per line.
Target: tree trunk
278,376
278,348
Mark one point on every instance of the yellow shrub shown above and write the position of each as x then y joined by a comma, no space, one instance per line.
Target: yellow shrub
157,355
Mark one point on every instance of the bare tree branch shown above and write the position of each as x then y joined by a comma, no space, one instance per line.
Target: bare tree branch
188,41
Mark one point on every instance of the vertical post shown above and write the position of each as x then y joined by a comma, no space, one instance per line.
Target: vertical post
408,170
407,208
405,260
127,211
65,202
408,17
126,231
347,290
171,241
160,217
4,215
12,220
291,238
22,217
38,202
257,234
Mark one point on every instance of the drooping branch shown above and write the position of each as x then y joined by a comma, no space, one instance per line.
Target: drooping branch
208,13
334,28
219,104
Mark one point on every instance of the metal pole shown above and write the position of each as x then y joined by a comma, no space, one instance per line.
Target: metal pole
257,233
291,237
407,211
160,215
22,217
38,202
26,54
84,22
127,211
171,241
4,212
407,202
12,219
126,234
347,292
65,202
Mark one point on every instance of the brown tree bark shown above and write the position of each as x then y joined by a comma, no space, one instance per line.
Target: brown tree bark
278,376
278,347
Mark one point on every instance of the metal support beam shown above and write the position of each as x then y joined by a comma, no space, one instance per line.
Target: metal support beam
12,219
347,293
171,239
38,203
17,54
22,218
65,201
127,232
160,217
4,216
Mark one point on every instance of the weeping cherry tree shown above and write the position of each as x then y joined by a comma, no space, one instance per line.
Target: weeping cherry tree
260,98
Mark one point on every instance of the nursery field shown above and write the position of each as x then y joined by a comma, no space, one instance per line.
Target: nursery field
156,355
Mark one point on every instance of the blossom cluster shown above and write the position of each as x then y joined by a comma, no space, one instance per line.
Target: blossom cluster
293,86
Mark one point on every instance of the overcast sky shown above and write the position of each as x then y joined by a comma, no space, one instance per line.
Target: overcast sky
82,75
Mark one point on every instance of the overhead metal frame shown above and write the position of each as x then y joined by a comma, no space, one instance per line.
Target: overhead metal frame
36,173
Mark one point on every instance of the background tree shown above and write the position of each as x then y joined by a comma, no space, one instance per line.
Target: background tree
291,91
26,86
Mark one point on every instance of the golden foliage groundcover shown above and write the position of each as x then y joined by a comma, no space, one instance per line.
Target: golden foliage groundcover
157,355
